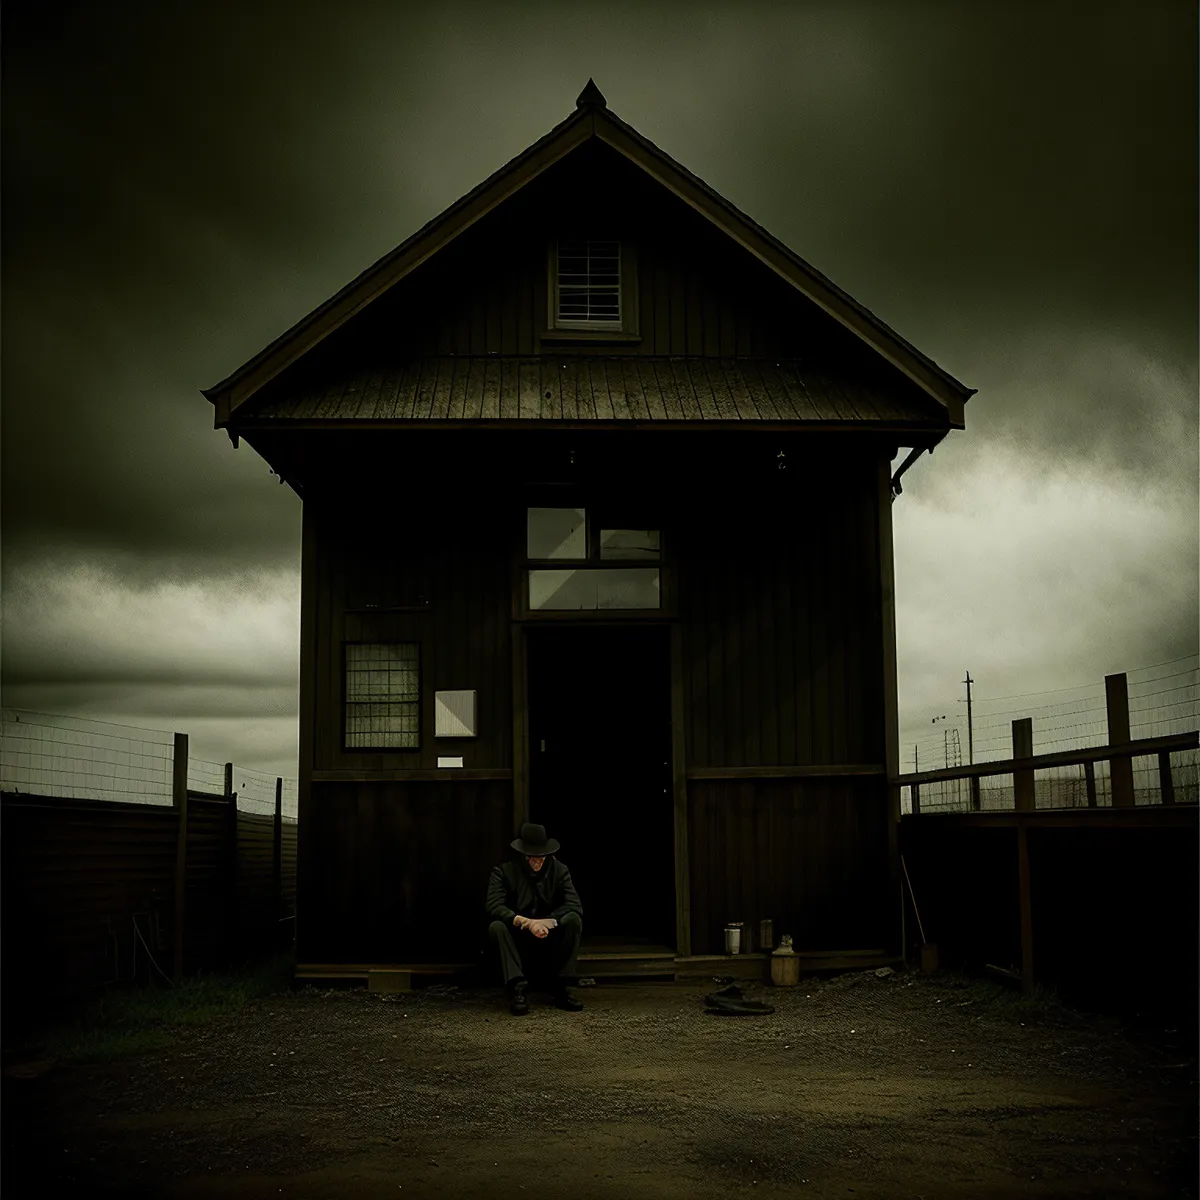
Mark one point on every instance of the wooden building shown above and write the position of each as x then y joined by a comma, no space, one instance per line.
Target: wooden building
597,481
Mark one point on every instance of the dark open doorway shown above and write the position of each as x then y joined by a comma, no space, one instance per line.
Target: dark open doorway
600,773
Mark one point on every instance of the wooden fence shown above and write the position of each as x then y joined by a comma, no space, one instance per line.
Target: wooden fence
1099,901
96,891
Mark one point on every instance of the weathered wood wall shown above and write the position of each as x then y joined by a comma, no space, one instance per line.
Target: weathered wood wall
774,580
779,599
402,869
446,576
698,294
811,854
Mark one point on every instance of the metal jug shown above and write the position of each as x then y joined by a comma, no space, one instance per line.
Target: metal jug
785,965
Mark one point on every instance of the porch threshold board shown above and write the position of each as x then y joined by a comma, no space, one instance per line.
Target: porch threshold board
802,955
615,956
364,970
748,966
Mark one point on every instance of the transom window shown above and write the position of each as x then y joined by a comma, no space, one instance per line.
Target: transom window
383,694
569,563
588,284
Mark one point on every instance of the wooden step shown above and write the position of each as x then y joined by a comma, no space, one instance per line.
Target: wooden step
626,956
707,967
611,963
363,971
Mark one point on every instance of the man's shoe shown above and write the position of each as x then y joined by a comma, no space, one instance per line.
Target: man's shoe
519,1003
564,1000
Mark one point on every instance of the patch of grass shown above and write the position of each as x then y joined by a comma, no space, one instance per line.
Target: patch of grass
124,1022
105,1044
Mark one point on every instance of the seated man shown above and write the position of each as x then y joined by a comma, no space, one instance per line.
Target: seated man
536,920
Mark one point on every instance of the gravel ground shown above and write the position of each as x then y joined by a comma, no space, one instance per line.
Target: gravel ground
897,1086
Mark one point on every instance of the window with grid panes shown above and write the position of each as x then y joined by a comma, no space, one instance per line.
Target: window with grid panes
587,284
383,696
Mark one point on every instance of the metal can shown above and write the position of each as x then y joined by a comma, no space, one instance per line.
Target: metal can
766,935
733,937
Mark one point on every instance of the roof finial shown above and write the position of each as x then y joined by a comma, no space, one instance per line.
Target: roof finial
591,97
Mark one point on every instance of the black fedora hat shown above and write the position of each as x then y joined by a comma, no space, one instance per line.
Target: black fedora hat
533,842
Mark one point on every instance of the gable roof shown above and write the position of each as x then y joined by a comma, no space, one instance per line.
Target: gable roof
591,119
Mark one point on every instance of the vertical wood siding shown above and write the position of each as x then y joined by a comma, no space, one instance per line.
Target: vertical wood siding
456,560
779,592
781,635
810,854
780,601
486,293
403,870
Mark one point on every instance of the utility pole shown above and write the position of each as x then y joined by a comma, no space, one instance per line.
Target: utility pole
970,727
976,798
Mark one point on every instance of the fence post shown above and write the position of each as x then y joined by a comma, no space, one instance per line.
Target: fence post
1165,782
1120,770
179,800
232,947
1089,775
976,799
277,861
1024,795
1025,892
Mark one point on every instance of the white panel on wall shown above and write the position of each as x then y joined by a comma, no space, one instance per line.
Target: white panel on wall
454,714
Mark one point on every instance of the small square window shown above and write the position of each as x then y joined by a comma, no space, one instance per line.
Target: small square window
556,533
629,544
382,696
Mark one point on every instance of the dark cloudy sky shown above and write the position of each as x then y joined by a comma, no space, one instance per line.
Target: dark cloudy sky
1012,186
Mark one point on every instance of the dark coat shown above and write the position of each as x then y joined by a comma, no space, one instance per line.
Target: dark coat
513,888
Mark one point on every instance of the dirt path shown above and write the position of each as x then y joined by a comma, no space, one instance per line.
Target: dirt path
906,1086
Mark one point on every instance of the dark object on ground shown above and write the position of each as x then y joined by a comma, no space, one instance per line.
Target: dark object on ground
730,1002
567,1002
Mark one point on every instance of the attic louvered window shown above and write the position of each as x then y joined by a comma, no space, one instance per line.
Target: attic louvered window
587,284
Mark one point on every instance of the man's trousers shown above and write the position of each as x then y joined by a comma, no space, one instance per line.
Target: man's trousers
547,962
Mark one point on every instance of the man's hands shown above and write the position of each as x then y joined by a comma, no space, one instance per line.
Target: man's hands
539,928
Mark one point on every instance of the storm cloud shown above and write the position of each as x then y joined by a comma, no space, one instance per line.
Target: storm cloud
1012,187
